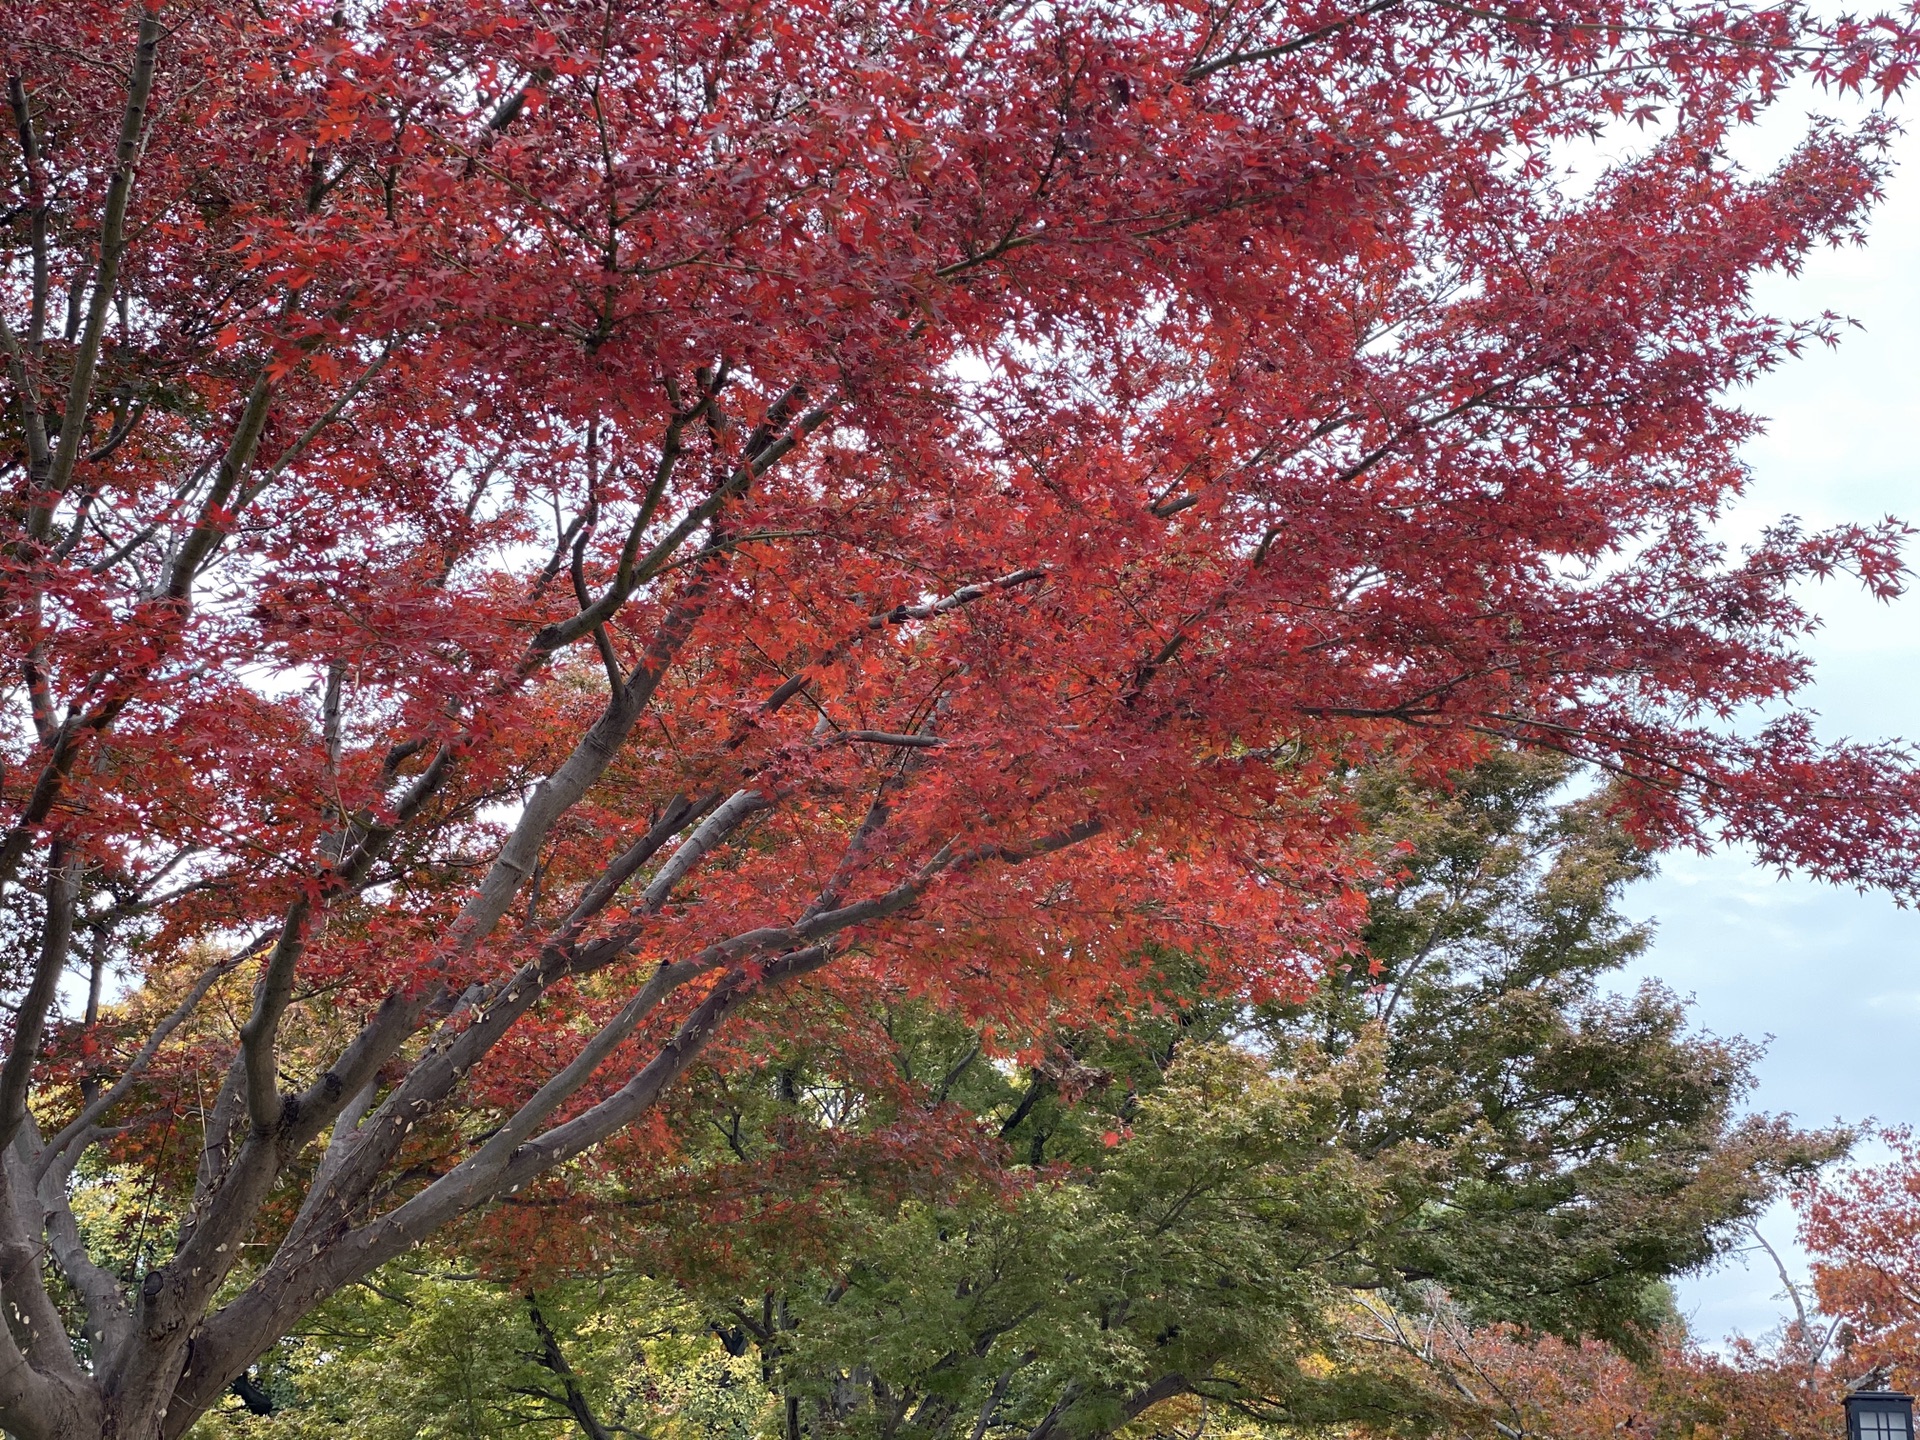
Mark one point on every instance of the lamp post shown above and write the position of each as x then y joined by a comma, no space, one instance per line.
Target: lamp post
1879,1415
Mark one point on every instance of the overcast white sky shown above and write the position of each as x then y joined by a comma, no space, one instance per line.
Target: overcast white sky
1831,976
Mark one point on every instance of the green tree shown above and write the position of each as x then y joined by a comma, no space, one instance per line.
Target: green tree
1186,1208
445,1355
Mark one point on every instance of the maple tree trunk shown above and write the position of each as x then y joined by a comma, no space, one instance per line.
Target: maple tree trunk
97,1417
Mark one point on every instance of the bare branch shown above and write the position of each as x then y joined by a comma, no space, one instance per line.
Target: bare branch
695,848
1203,69
29,1024
899,615
37,236
113,237
555,1360
31,1315
107,1317
20,369
332,413
271,995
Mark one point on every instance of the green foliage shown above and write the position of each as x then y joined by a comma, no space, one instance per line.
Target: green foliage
1182,1209
1207,1233
415,1356
1593,1141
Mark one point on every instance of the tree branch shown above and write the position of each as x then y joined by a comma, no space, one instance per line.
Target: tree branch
113,237
29,1023
107,1099
1202,70
555,1360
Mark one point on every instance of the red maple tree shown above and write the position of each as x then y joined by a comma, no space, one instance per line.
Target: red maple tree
1517,1386
1862,1227
528,526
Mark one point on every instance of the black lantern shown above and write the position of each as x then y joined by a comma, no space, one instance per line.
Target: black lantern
1879,1415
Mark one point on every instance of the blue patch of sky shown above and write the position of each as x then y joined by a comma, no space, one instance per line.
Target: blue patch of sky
1829,978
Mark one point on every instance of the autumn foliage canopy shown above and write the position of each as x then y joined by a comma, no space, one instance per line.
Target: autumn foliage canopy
529,527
